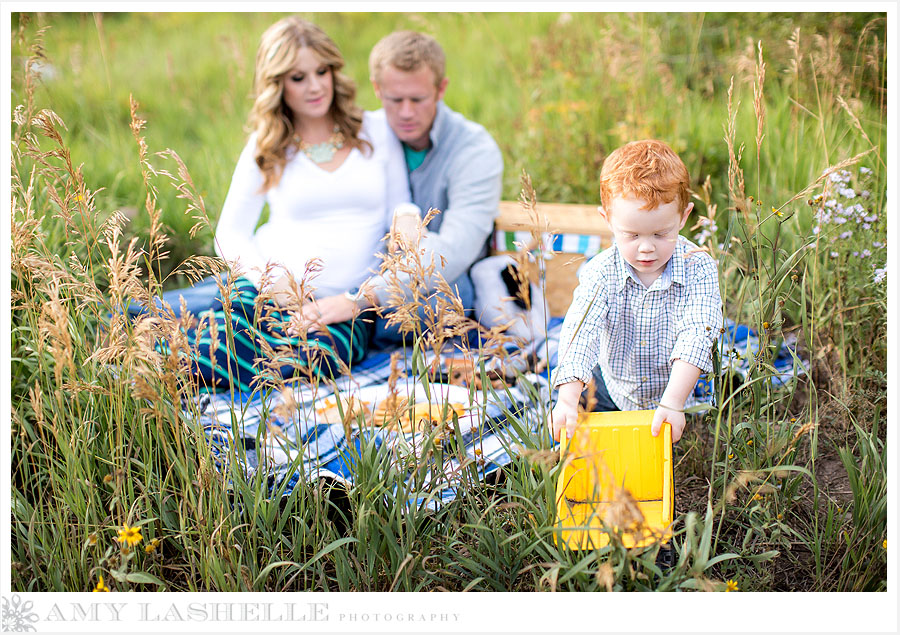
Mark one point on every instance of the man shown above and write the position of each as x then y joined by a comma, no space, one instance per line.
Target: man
454,166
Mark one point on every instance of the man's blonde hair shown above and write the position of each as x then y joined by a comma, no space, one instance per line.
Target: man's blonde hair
407,51
649,170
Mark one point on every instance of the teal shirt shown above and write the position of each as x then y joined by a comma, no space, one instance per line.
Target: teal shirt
414,158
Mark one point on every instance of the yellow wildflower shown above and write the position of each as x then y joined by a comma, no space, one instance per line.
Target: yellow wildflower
731,456
884,544
765,325
92,539
129,535
101,586
108,479
731,585
151,547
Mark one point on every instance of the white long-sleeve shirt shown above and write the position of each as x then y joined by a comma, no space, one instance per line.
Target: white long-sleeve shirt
339,217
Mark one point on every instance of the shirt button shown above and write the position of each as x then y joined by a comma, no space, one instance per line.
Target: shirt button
643,342
643,379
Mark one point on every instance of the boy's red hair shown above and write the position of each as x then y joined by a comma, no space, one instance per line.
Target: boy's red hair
649,170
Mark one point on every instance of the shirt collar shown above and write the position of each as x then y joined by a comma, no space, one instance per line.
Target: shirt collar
672,274
676,264
437,126
623,271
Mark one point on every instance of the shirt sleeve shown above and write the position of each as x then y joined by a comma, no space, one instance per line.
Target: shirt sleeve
697,328
389,152
240,214
473,203
579,338
397,178
473,194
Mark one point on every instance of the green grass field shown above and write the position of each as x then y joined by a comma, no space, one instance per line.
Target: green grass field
781,120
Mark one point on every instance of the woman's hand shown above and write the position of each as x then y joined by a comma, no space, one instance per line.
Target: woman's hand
315,315
284,292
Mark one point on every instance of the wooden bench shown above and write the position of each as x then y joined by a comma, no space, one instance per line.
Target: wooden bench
574,232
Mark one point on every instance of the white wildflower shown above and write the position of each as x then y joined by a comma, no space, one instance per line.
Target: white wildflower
840,177
847,192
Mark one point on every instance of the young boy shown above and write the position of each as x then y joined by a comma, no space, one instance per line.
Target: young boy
646,311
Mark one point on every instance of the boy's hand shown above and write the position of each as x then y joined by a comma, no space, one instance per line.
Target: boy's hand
565,412
563,415
681,382
674,417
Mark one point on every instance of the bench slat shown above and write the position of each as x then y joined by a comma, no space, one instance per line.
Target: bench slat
563,218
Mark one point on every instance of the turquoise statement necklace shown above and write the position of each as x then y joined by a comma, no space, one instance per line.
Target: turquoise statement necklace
322,152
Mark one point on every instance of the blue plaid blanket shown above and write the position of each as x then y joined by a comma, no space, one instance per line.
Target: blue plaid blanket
287,437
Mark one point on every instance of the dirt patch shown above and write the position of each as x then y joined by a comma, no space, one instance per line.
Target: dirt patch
831,476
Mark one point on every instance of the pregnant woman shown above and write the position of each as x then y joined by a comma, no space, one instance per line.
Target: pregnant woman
332,176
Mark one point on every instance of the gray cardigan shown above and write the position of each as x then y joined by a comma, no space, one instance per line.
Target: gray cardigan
462,176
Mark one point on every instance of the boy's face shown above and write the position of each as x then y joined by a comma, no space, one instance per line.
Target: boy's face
646,237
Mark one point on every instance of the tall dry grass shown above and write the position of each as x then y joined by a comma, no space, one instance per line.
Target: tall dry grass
103,440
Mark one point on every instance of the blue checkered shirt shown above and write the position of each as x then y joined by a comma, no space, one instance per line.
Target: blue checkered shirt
634,333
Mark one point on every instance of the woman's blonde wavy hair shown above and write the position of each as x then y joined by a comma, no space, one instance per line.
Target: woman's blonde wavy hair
270,117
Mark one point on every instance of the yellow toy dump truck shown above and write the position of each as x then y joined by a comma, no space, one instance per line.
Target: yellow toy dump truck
616,477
